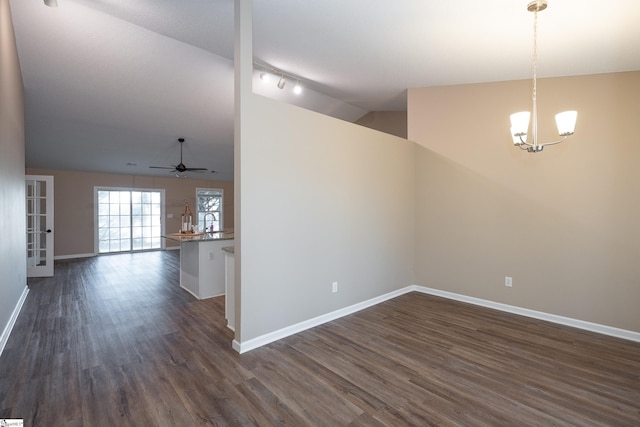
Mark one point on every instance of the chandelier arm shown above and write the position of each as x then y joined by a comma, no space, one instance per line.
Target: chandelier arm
555,142
523,142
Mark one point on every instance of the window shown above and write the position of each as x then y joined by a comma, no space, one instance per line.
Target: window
128,220
209,205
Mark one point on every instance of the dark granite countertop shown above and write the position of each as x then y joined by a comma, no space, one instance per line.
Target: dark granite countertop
199,237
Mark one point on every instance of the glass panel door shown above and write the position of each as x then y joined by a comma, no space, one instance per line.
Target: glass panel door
39,200
129,220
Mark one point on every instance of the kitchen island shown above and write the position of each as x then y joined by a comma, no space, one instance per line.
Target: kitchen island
202,262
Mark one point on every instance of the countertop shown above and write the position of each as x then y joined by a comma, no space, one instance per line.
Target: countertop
200,237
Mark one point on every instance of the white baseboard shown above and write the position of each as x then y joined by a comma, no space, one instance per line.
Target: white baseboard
12,320
567,321
57,257
89,255
197,297
243,347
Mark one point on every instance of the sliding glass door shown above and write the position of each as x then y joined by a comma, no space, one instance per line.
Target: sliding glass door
128,220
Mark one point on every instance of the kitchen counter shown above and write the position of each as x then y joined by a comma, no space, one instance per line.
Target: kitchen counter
199,237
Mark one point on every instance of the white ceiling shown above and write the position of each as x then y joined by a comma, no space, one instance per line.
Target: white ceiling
111,82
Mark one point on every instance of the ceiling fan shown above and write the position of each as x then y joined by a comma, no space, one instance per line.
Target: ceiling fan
180,167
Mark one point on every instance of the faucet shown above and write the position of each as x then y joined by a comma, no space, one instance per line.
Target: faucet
204,221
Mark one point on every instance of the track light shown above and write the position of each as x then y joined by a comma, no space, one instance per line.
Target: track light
265,77
51,3
268,74
297,89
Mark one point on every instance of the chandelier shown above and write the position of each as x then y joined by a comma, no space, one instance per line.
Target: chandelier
565,121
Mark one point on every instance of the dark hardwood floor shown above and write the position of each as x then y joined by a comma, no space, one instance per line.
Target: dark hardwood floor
114,341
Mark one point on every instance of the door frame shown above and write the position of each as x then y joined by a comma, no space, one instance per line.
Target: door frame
96,233
34,228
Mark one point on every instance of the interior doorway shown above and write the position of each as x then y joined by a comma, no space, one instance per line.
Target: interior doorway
39,208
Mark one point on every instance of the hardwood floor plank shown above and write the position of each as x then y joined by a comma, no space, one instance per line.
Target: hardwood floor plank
113,340
272,408
309,398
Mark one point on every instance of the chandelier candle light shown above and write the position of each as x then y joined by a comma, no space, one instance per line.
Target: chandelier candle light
565,121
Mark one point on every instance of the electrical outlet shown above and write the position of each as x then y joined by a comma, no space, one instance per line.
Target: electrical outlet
334,287
508,281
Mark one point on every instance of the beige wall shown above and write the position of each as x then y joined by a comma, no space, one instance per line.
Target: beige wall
74,199
391,122
563,223
13,261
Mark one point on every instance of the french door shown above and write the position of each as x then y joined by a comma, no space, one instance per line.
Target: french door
39,208
128,220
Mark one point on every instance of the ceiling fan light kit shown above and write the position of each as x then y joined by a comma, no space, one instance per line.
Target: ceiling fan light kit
565,121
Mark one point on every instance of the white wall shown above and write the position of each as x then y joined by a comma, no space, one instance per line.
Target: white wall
13,265
322,200
317,200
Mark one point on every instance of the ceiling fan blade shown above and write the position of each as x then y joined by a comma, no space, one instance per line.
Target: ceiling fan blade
180,167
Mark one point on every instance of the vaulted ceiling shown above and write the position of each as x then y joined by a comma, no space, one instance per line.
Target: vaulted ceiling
110,85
